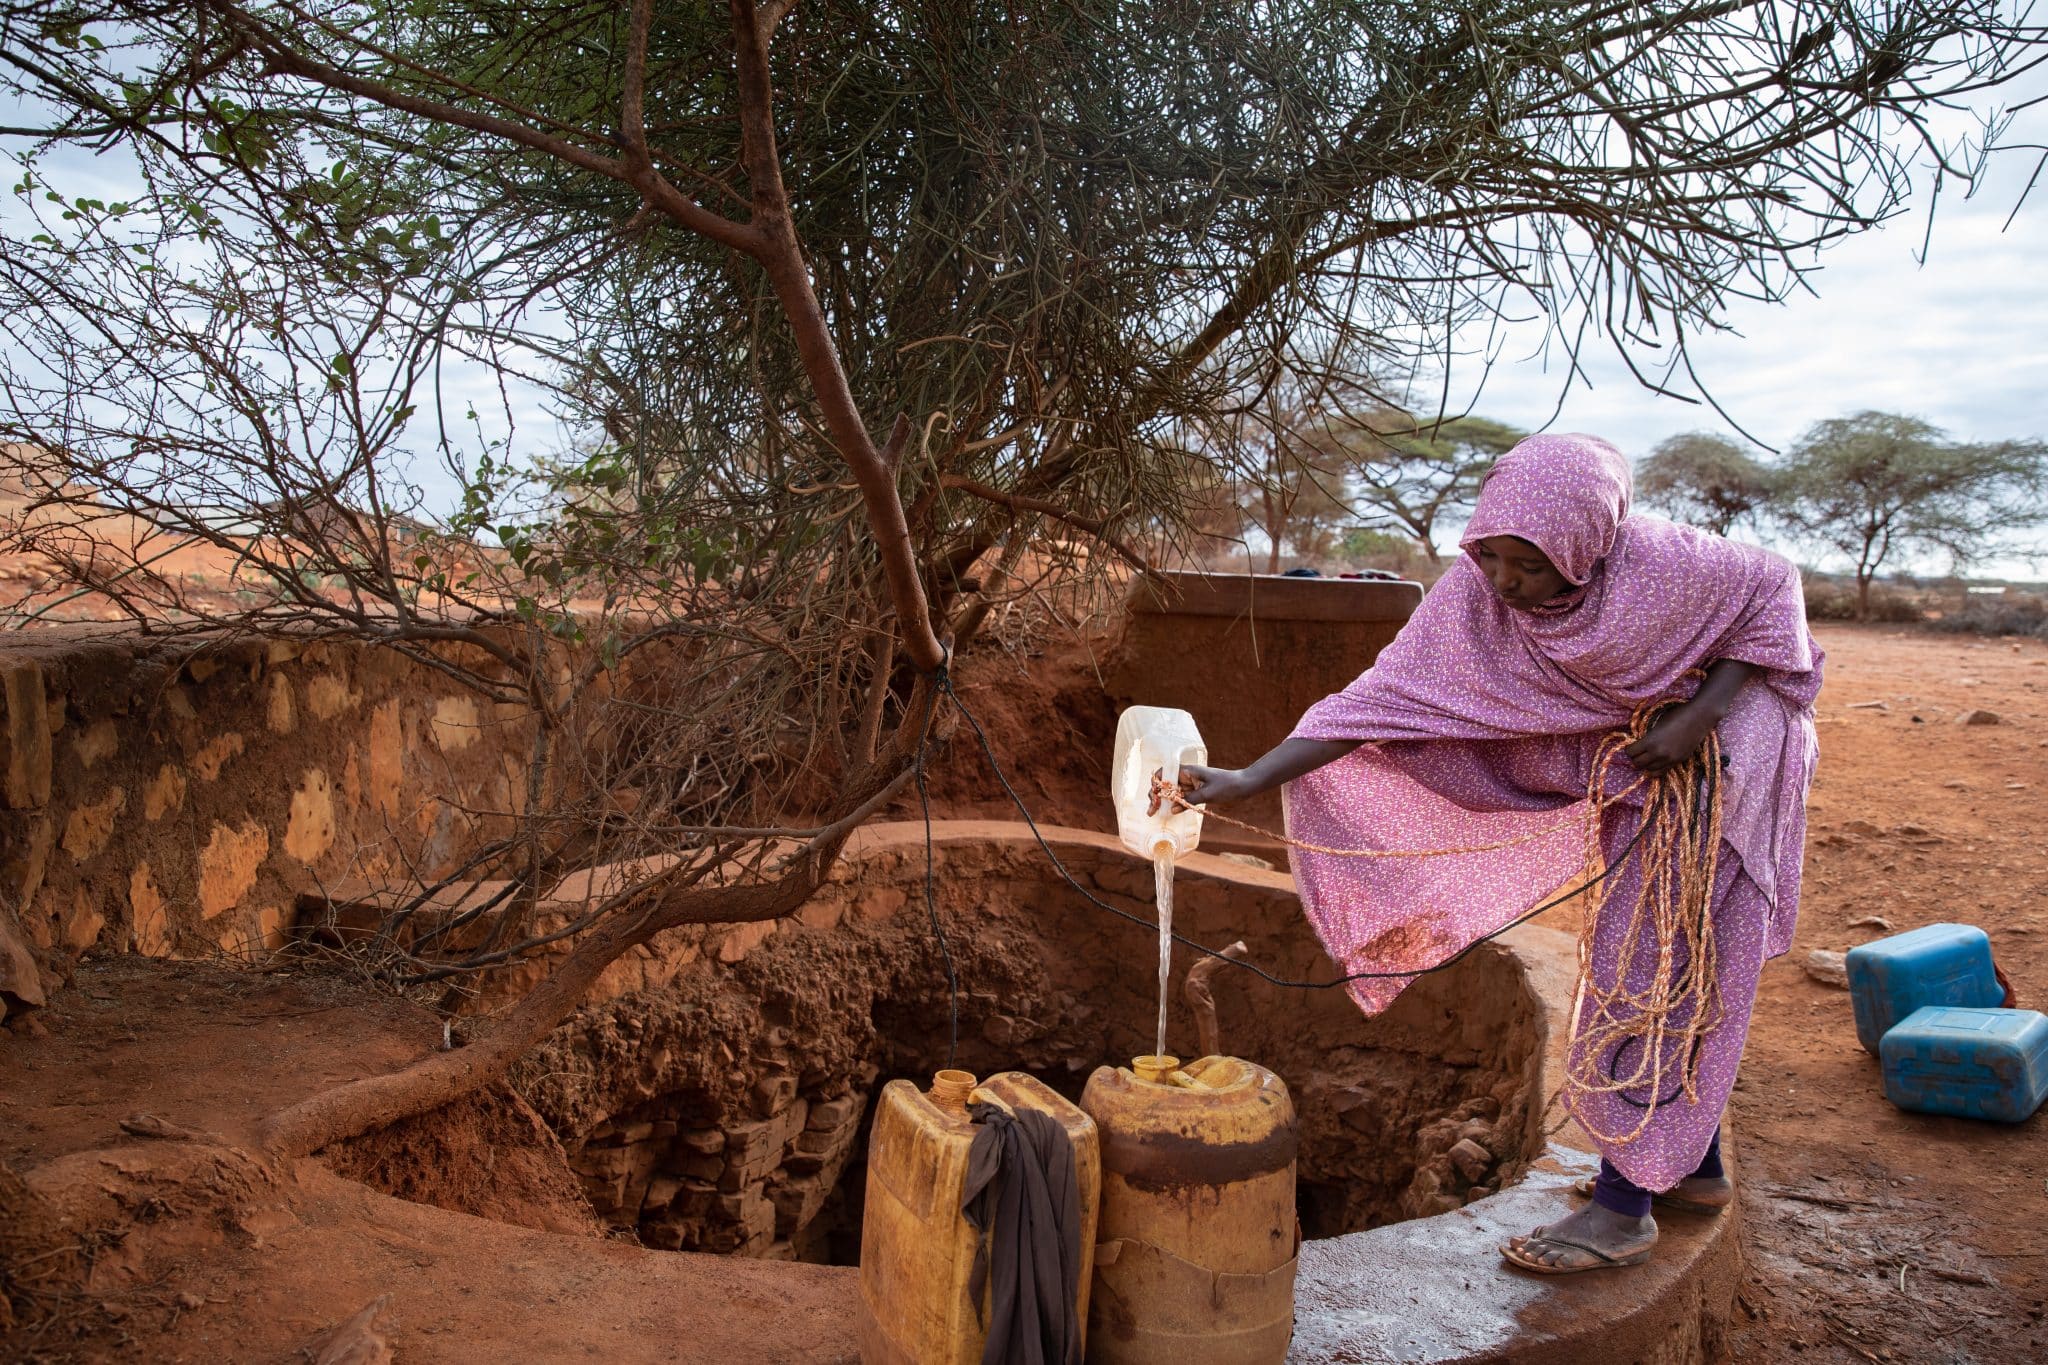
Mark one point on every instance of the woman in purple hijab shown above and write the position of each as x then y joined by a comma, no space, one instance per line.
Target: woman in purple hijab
1478,727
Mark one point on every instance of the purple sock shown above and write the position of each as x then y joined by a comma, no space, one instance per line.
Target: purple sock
1710,1164
1617,1193
1614,1191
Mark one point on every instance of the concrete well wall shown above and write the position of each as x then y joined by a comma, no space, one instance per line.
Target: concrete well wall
1246,654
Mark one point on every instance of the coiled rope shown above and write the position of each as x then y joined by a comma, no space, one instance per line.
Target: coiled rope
1666,1019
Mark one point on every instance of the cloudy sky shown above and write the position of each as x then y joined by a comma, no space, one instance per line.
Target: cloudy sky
1959,338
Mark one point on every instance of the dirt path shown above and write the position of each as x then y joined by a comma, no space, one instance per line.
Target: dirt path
197,1252
1874,1234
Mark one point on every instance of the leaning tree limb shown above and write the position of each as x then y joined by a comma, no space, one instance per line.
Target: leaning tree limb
637,916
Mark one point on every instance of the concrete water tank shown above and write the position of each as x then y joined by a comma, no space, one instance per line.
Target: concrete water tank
1246,654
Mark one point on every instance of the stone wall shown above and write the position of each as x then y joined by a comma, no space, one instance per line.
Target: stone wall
174,797
754,1188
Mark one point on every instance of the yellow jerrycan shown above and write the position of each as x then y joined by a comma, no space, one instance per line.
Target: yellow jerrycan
1196,1253
916,1249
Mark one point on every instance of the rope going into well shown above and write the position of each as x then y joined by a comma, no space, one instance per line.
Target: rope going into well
1665,1018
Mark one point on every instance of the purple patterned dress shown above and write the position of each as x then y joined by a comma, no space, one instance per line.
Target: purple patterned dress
1480,724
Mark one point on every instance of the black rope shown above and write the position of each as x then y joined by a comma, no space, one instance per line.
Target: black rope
945,684
931,900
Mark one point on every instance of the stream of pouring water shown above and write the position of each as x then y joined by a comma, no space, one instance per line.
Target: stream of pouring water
1162,891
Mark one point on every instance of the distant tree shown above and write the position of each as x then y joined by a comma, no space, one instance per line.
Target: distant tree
1707,480
1322,457
1369,547
1281,465
1292,476
1418,474
1299,503
1878,482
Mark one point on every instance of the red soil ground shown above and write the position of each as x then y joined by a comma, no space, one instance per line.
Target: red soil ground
1870,1234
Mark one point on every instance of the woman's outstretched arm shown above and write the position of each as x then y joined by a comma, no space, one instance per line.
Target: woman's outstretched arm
1284,762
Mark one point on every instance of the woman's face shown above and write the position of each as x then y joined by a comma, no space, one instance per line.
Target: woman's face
1519,572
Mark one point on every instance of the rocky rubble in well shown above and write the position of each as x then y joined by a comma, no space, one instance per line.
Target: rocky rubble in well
755,1188
724,1110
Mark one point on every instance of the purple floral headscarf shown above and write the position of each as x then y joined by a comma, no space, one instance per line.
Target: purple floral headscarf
1566,495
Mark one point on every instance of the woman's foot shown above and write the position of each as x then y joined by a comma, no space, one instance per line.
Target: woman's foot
1594,1238
1694,1194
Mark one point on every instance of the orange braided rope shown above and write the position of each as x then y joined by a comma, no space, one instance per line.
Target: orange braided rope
1669,1016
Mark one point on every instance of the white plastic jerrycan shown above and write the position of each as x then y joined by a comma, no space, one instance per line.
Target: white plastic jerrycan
1154,739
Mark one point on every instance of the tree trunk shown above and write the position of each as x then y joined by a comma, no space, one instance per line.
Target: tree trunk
1270,524
1863,595
431,1082
771,239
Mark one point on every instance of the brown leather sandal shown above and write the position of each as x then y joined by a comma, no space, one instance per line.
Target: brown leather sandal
1518,1252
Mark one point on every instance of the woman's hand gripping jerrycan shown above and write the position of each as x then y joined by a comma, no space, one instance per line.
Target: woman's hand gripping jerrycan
1154,739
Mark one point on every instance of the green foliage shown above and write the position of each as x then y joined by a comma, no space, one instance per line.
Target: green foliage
1369,547
1419,474
1709,481
1370,543
1877,483
1059,236
1833,599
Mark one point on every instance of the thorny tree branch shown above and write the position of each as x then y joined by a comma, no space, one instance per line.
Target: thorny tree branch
1085,241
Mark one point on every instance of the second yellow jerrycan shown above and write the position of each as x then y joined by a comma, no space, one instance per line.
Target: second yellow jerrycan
1196,1253
916,1248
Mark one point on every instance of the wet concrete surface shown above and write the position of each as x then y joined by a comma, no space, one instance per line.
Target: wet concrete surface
1437,1289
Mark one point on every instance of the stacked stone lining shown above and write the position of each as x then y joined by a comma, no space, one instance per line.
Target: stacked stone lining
751,1188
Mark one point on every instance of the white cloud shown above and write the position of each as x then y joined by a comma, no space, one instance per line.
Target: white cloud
1960,339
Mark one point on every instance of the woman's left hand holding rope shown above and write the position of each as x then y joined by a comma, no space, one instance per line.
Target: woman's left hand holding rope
1678,734
1676,737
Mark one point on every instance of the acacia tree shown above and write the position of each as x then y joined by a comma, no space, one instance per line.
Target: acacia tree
835,299
1416,474
1707,480
1879,483
1284,470
1316,466
1295,493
